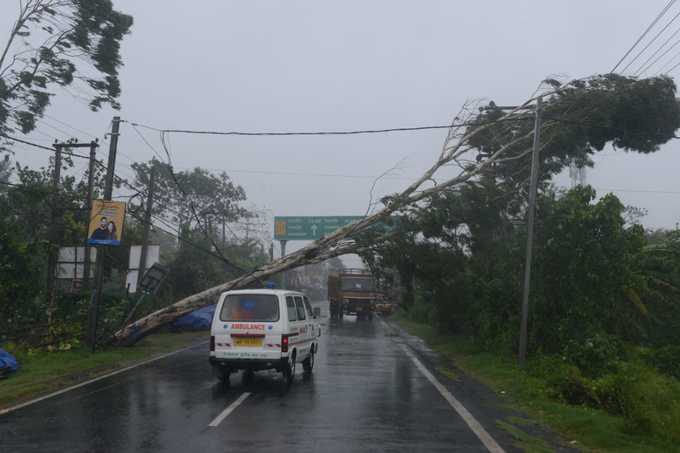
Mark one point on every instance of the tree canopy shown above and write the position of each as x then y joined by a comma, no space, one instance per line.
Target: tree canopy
60,43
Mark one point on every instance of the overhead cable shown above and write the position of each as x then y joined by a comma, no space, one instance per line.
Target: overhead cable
644,67
644,49
642,36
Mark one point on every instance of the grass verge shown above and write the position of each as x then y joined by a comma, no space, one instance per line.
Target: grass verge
591,429
45,372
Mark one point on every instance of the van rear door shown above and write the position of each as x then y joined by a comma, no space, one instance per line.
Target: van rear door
248,326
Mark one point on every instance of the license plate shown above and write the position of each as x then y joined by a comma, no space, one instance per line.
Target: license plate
246,341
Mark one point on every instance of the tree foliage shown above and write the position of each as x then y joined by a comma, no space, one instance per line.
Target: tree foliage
467,244
60,43
579,120
213,198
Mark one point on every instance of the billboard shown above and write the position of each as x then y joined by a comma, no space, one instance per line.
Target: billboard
106,222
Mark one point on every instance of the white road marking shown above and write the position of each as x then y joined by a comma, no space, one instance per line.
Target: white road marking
225,413
467,417
99,378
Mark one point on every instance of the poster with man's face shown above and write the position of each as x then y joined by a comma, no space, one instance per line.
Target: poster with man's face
106,222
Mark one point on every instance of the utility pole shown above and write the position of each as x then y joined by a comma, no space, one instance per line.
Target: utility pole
530,232
54,236
99,270
147,225
90,191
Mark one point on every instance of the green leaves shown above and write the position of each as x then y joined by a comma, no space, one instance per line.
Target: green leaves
64,43
581,119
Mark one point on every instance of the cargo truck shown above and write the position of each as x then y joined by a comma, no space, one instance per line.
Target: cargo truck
353,292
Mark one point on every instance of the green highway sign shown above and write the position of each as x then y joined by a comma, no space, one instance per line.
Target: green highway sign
309,228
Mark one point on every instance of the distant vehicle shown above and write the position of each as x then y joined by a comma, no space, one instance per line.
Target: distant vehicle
353,292
263,329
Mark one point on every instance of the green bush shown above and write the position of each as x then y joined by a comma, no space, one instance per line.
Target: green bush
595,355
648,401
666,359
565,381
421,309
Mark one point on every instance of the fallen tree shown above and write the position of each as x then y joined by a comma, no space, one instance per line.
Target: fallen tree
632,114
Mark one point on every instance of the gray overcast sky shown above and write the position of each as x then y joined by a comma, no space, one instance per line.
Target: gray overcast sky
305,65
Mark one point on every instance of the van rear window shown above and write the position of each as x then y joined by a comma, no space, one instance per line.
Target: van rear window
250,307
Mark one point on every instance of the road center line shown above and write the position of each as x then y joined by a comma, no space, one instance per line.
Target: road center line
467,417
225,413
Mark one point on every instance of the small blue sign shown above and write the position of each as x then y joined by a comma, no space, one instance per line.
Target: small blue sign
226,326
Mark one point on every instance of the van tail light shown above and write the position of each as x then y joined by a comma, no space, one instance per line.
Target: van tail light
212,343
284,343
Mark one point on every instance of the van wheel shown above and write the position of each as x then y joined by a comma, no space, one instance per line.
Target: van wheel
289,373
308,363
223,377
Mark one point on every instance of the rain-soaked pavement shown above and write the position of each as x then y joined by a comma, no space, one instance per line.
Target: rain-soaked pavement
365,394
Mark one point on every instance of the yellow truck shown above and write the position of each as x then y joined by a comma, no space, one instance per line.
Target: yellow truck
353,292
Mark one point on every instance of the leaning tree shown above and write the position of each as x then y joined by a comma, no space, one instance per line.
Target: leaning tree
581,117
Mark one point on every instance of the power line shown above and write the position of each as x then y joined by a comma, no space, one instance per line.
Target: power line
146,142
191,204
323,175
176,234
651,42
675,66
667,192
309,133
131,186
47,148
59,130
670,63
45,134
646,66
642,36
63,123
673,46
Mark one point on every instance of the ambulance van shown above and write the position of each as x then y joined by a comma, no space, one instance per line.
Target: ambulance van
263,329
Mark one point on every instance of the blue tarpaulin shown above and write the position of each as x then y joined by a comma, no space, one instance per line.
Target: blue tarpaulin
196,320
8,363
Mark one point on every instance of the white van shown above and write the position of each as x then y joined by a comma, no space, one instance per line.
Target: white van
263,329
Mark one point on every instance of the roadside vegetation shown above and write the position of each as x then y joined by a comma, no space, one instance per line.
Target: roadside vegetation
535,390
187,245
43,372
604,326
605,311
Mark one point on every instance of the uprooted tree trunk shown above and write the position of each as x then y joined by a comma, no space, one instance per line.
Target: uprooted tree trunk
460,148
336,244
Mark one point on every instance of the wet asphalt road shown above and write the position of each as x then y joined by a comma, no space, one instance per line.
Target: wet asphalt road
365,395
